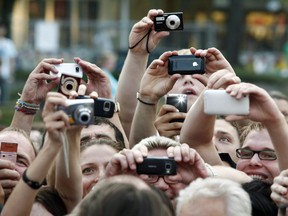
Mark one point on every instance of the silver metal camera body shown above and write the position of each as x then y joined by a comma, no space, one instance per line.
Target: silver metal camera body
169,22
70,77
79,111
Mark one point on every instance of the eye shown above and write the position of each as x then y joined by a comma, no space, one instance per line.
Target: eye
22,163
268,155
89,171
224,139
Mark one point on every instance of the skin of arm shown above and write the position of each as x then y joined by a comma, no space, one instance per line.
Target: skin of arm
35,91
198,127
155,84
70,188
23,196
135,65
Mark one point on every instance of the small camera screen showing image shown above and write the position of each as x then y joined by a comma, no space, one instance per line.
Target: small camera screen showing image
70,77
219,102
157,166
169,22
186,65
8,151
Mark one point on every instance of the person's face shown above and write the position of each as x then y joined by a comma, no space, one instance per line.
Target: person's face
189,86
93,161
260,169
283,107
226,138
98,131
25,151
171,190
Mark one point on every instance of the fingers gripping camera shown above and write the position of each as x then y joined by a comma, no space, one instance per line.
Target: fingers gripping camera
70,77
169,22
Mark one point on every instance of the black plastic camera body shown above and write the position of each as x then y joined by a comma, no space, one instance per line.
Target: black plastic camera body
157,166
186,64
83,111
169,22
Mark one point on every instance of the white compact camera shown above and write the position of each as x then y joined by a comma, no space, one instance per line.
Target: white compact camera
219,102
70,77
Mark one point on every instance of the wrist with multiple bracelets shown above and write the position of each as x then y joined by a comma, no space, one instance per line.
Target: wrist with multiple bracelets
146,102
26,108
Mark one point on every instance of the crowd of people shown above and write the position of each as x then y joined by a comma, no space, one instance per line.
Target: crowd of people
233,165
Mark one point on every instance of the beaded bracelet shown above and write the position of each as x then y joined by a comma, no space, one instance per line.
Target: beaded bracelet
27,108
32,184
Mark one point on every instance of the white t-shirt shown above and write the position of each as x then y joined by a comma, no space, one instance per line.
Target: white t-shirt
7,51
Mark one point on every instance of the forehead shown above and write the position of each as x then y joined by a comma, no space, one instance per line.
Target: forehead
97,153
282,104
224,126
157,153
94,130
24,146
258,140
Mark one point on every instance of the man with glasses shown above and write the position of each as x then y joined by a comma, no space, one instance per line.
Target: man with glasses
189,163
257,157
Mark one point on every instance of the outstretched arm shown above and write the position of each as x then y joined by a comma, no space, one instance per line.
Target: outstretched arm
141,40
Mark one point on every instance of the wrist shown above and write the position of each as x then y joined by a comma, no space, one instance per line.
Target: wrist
26,108
145,99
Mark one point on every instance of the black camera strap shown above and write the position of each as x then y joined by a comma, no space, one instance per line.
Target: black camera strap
147,42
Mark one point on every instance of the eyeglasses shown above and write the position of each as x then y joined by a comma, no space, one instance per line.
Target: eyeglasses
245,153
155,178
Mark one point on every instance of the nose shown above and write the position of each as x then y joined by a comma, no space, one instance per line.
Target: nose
255,160
101,173
188,79
161,184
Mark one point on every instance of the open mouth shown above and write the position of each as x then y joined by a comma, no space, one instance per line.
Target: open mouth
189,92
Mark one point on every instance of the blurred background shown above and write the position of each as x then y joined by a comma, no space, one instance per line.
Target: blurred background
251,34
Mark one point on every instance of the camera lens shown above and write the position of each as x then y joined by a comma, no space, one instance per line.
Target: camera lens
77,69
168,166
83,115
173,22
69,86
106,106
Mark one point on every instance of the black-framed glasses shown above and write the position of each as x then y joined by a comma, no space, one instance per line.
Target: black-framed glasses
151,179
245,153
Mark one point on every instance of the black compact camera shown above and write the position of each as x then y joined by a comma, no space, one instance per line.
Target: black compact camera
169,22
179,101
157,166
186,64
82,111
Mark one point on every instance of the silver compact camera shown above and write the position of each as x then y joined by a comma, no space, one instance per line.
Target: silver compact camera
83,110
169,22
79,111
70,77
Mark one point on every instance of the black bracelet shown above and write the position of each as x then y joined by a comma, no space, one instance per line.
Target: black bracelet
144,102
32,184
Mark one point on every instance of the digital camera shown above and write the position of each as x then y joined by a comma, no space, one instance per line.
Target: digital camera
70,77
169,22
82,111
157,166
179,101
186,64
8,151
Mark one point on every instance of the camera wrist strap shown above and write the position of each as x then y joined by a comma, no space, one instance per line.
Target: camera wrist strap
147,42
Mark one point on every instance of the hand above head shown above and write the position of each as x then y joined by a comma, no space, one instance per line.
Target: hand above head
156,81
124,162
40,82
144,30
56,121
163,122
262,106
97,79
190,165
